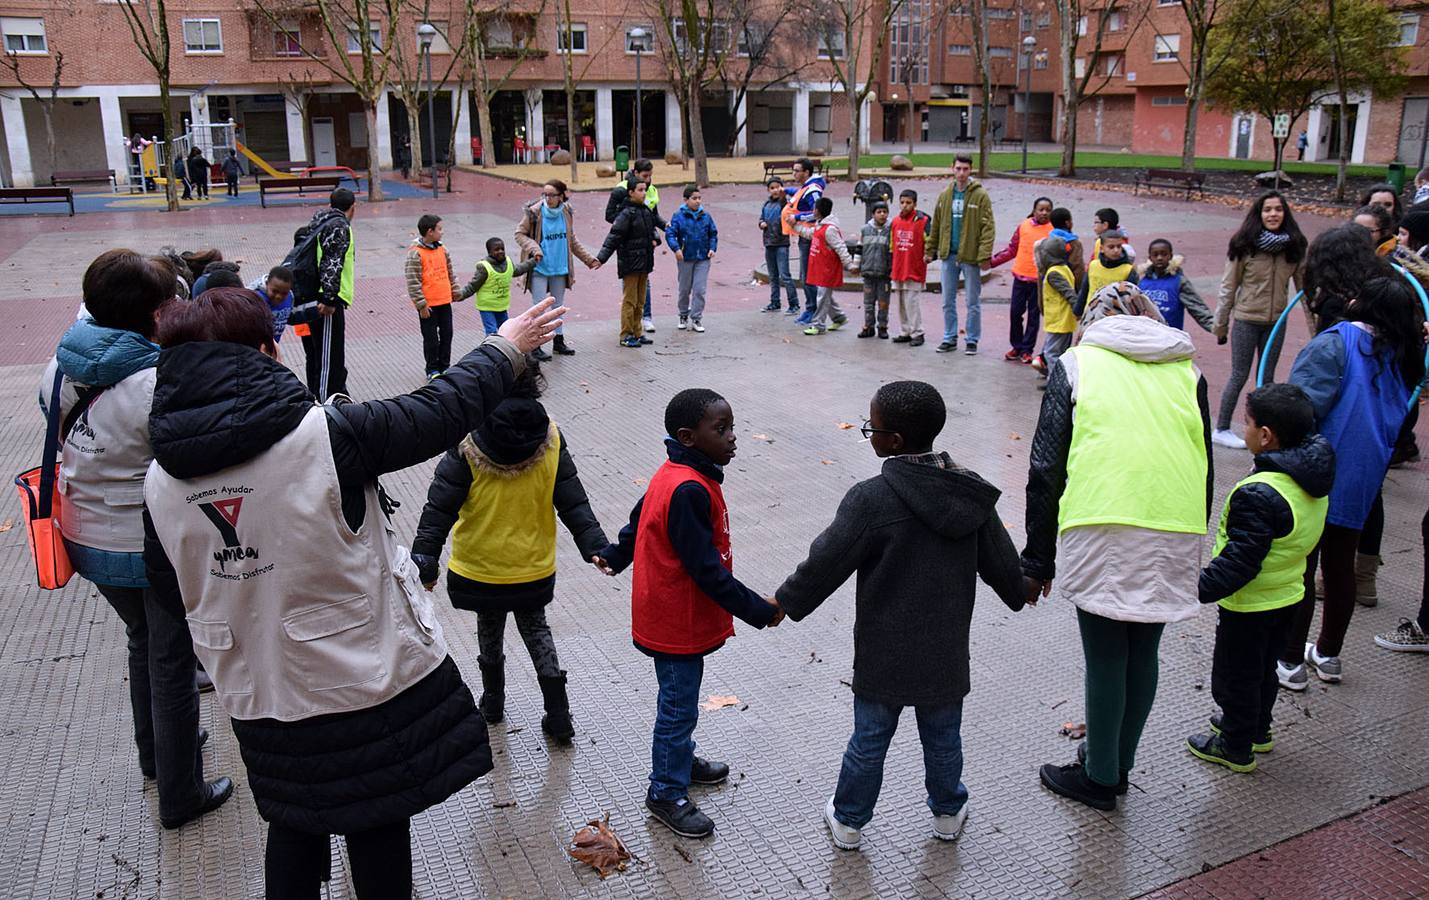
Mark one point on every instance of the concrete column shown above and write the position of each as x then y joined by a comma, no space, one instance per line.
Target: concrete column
801,120
198,114
741,114
535,122
674,134
865,129
604,124
112,128
383,137
462,102
18,141
297,132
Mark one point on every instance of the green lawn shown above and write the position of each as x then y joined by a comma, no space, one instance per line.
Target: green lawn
1011,162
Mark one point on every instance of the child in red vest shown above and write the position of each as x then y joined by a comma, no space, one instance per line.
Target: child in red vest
684,594
907,232
828,257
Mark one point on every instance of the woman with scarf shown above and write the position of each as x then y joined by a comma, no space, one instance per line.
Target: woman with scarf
1118,497
1264,256
547,232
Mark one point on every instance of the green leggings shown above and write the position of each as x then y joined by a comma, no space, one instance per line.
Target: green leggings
1122,667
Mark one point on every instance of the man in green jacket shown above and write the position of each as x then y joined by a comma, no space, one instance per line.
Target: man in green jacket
961,236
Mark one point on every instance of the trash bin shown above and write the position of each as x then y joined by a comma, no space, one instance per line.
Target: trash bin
622,160
1395,176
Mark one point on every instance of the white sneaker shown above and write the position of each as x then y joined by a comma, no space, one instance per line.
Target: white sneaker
1292,678
1327,668
683,323
698,326
1226,438
950,828
845,838
649,325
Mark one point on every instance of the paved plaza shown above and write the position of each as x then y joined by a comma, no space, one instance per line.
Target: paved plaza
79,821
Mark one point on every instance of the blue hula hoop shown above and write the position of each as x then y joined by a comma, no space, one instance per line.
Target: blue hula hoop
1280,323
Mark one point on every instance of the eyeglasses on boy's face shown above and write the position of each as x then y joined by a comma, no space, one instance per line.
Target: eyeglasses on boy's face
869,431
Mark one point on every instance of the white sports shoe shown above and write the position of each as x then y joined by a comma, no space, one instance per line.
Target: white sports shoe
1292,678
844,837
1327,668
698,326
648,325
1227,438
950,828
681,325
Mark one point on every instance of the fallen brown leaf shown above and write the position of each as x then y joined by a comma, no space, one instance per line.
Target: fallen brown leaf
1074,730
718,701
6,525
845,426
598,847
1015,436
826,462
637,481
763,437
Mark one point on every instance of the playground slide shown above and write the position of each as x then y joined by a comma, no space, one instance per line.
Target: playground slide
260,162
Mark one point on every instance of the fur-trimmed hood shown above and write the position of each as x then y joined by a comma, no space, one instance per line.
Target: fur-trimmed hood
516,436
1172,267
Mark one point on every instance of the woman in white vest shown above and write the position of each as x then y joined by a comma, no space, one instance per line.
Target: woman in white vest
106,364
266,529
1119,494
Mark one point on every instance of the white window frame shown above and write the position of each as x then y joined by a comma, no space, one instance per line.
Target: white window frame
440,44
840,48
1044,20
565,39
354,41
1079,67
1082,27
1166,48
1115,65
287,29
1408,21
1001,53
203,48
960,49
1168,2
1114,21
741,40
649,39
34,40
1169,100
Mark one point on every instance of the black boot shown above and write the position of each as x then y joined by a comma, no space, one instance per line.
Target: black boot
493,690
559,345
557,720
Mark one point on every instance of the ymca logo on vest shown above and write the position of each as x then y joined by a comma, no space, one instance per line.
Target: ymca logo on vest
223,515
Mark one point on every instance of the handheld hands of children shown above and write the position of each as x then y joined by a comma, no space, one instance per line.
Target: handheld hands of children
778,612
602,565
533,327
593,264
1033,589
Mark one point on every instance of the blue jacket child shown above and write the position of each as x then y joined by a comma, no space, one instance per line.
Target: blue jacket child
774,235
692,233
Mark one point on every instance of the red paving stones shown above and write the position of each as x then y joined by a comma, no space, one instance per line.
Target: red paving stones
1381,852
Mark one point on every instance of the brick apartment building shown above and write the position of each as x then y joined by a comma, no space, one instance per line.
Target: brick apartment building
1141,104
233,62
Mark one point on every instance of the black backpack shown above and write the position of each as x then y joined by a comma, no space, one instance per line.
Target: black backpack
303,261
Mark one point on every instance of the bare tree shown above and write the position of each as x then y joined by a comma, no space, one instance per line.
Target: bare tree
342,20
696,39
495,34
764,34
1363,38
298,90
148,22
854,32
407,65
1199,64
572,78
1073,18
984,121
11,62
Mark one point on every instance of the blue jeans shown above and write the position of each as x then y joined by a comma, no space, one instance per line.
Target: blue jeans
492,320
861,778
646,313
811,293
552,285
677,710
973,276
776,263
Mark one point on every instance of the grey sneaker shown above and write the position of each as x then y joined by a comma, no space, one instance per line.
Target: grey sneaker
844,837
1292,678
950,828
1327,668
698,326
1407,638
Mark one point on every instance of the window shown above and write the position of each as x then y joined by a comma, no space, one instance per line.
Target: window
958,9
644,43
1113,20
1168,48
24,35
439,40
1082,26
833,45
716,35
574,41
1408,30
999,53
1040,60
1044,20
1168,2
1080,66
752,36
960,49
202,36
354,40
1027,21
908,43
500,35
1001,14
287,40
1169,100
1114,64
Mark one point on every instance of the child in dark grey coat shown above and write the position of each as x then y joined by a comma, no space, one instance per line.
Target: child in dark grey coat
874,266
919,535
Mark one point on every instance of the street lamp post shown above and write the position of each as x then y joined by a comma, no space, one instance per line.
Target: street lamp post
637,36
1029,44
426,33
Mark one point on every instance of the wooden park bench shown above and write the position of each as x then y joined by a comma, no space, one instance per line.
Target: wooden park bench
322,183
84,176
1172,178
38,195
784,168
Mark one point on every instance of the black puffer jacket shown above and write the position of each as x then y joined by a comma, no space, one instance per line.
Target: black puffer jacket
632,239
514,438
1256,515
335,231
217,405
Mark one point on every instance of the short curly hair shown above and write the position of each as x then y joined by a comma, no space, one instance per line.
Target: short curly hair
687,408
913,409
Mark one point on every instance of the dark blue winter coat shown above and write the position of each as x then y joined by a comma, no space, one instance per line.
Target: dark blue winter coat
692,233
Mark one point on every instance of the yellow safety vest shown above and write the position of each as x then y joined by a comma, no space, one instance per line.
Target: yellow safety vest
506,530
1281,581
494,295
1099,276
1057,315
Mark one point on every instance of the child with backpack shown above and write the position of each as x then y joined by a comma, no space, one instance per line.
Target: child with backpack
491,284
497,494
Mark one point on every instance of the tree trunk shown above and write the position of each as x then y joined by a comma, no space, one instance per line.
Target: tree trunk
49,110
1194,89
483,118
697,138
1341,170
171,188
374,164
1279,158
911,124
570,96
1068,167
856,119
984,124
414,132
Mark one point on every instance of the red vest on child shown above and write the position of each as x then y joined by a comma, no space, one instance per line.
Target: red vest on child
668,611
825,267
906,238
